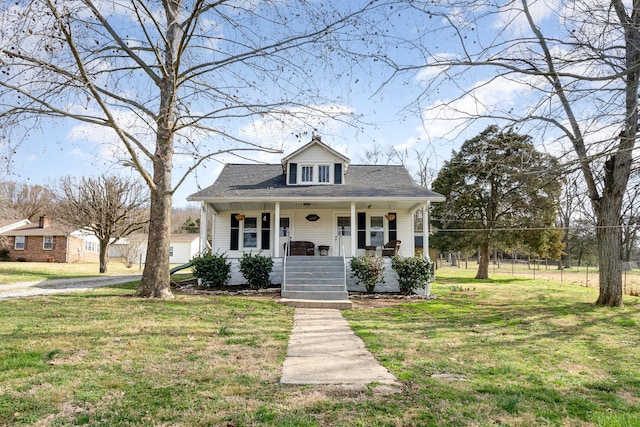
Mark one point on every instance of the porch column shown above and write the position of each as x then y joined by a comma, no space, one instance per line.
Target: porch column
276,232
204,223
354,232
212,232
425,230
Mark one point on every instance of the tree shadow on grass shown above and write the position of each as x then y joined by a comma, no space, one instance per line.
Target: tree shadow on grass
467,280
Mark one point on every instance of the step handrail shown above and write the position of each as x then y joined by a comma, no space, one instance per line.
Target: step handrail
344,266
284,273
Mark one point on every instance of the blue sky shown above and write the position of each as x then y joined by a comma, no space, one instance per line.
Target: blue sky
71,148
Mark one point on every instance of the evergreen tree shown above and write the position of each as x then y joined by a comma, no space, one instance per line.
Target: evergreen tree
499,190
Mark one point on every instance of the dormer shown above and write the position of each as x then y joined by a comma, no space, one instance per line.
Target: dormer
315,164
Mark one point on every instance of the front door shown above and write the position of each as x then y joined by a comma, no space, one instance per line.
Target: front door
284,233
342,235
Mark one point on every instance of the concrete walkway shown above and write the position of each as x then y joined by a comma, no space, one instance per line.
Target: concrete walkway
56,286
324,350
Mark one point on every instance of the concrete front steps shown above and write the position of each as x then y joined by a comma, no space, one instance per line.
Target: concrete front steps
315,282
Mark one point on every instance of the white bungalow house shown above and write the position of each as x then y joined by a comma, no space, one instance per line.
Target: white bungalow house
315,203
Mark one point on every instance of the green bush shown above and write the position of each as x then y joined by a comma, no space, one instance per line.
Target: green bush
256,269
413,272
5,254
212,269
368,270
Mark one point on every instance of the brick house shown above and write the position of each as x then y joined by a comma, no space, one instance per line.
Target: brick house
49,241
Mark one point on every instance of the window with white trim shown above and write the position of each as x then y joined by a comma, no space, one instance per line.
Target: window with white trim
344,226
170,250
90,246
377,231
284,226
47,243
250,233
20,243
307,173
324,173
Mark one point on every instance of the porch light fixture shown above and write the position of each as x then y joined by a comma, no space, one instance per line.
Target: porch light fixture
239,217
312,217
390,216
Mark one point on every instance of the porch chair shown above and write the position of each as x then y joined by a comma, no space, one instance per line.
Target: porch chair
391,248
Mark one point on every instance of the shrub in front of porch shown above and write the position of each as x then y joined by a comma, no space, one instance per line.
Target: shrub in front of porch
213,270
256,270
368,270
413,272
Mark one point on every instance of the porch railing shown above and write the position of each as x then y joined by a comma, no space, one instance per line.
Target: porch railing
344,266
284,272
287,251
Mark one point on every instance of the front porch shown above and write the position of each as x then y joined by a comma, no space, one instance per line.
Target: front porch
345,228
390,284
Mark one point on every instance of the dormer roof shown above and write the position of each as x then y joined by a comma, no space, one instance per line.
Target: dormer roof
315,140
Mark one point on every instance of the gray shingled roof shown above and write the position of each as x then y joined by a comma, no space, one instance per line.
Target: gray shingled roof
268,181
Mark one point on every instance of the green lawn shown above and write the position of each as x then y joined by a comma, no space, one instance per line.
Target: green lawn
11,272
533,352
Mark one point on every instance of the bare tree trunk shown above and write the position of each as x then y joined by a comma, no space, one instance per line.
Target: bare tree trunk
104,255
618,169
610,265
483,262
156,280
609,231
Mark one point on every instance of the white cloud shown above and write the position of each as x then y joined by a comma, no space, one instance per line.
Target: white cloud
284,128
444,118
513,19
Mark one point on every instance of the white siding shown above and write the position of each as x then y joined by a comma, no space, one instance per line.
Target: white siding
321,232
221,225
183,251
404,224
390,280
316,154
237,278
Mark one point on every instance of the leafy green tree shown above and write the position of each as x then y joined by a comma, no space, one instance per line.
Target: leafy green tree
499,190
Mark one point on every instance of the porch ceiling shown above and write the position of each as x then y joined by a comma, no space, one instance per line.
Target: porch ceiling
399,205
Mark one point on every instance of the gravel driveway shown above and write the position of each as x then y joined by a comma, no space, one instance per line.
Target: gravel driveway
56,286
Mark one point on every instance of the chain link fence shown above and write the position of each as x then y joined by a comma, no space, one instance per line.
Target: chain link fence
584,275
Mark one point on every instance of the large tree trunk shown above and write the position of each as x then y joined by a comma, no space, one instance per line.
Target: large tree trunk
156,280
610,264
104,255
483,265
609,231
617,169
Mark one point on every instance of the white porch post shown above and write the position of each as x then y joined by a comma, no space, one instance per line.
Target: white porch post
203,226
425,229
354,232
276,233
